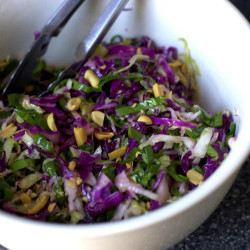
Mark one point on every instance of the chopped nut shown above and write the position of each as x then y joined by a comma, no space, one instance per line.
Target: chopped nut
148,205
85,199
103,135
169,95
78,180
138,51
194,177
71,184
98,117
117,153
39,204
33,195
157,89
103,66
100,51
8,131
92,78
176,64
25,198
80,135
137,154
129,165
51,122
145,119
74,103
51,207
72,165
63,156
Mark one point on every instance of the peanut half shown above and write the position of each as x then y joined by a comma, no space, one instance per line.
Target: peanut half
8,131
117,153
157,89
39,204
51,122
145,119
98,117
80,135
194,177
92,78
74,103
103,135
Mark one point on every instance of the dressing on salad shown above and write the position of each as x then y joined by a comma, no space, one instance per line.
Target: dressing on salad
121,139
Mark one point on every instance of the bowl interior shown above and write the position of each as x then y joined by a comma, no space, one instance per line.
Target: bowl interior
217,44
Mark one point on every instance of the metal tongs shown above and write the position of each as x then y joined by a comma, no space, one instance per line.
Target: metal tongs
53,27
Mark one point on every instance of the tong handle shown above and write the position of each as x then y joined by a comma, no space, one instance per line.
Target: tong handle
61,17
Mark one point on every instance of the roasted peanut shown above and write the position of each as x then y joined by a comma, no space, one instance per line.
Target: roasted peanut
80,135
103,135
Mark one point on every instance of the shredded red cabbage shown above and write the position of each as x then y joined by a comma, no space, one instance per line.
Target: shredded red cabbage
120,139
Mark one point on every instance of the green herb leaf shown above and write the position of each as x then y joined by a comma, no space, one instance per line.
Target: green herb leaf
11,180
117,121
198,169
110,172
5,114
211,151
174,191
22,163
52,168
32,117
195,133
148,155
42,142
231,134
211,121
129,76
134,134
13,100
5,191
149,174
59,193
131,156
147,104
127,110
125,142
84,88
154,102
62,102
171,170
121,99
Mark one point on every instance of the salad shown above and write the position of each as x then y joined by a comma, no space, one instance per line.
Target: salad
119,140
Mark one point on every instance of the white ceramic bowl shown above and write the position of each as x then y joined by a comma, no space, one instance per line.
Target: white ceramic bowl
219,39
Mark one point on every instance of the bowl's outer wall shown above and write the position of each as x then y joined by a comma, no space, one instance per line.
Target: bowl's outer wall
219,41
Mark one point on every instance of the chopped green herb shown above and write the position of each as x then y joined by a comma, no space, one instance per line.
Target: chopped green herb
42,142
32,117
211,151
5,191
110,172
134,134
52,168
22,163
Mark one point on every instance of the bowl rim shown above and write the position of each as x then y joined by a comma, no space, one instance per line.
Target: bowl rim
232,163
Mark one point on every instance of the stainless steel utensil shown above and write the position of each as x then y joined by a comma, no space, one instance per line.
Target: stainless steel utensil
39,47
53,28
